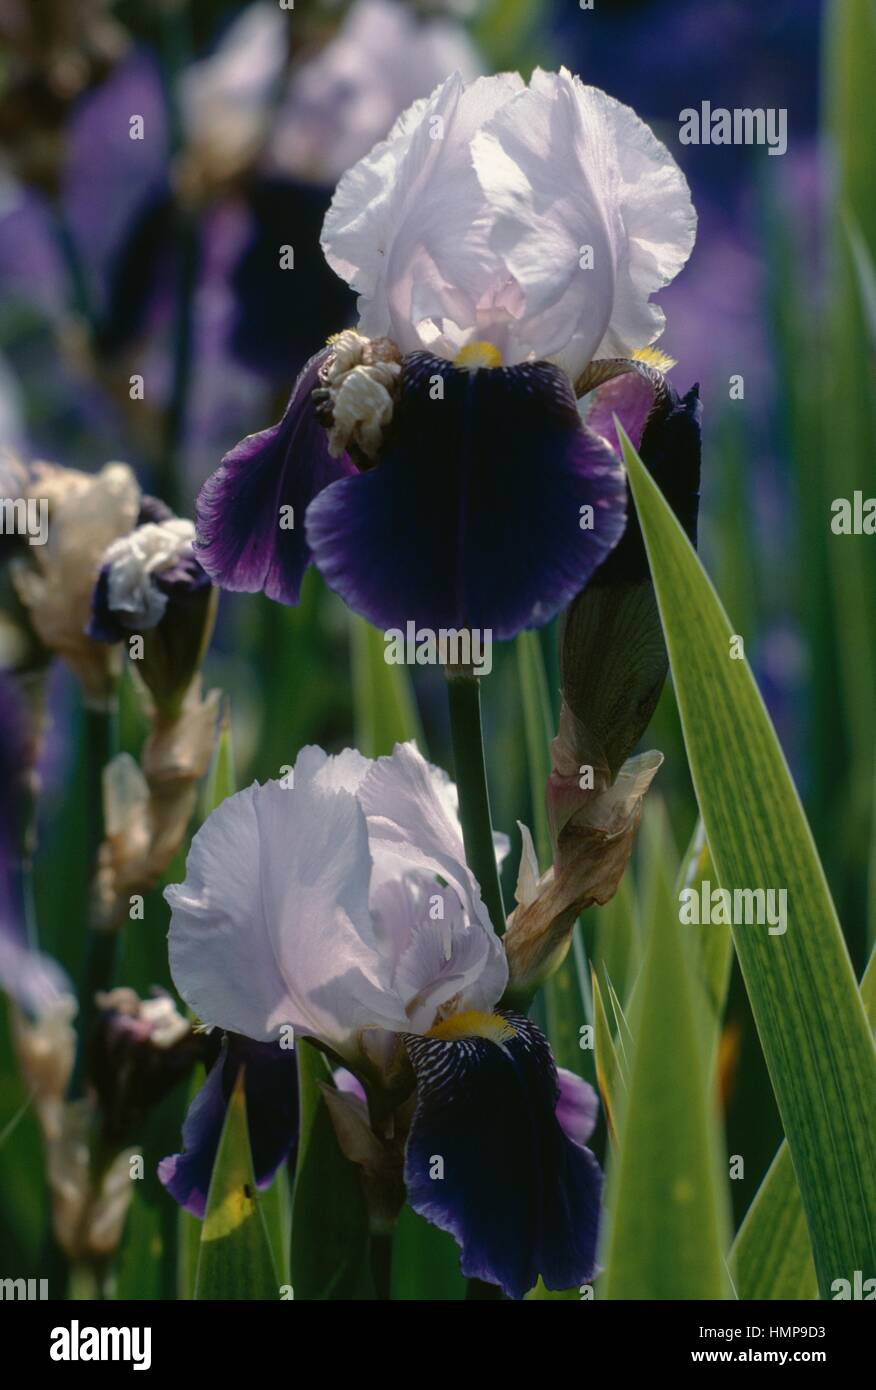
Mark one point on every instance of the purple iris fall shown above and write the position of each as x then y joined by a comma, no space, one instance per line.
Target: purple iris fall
337,906
434,465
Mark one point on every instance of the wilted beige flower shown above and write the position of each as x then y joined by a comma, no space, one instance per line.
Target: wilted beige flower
46,1047
55,581
360,382
147,807
88,1207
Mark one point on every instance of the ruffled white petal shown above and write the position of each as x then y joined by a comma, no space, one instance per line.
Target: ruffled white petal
543,171
413,825
336,901
407,227
134,560
481,213
451,964
272,927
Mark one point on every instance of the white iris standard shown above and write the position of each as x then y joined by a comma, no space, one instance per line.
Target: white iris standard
337,902
537,220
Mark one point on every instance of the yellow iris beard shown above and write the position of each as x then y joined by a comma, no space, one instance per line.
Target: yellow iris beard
653,357
472,1023
478,355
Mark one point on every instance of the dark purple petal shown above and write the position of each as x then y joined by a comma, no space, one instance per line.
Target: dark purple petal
613,658
670,449
520,1198
186,576
187,1175
241,543
130,1069
105,623
271,1088
473,516
153,509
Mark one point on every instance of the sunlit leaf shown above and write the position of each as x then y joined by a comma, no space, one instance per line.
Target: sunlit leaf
772,1254
805,1000
235,1259
666,1217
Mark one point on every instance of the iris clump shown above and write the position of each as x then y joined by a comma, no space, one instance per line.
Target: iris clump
365,1060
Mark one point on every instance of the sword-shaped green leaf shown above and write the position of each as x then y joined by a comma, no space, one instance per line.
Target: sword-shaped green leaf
772,1255
235,1260
384,707
806,1003
666,1210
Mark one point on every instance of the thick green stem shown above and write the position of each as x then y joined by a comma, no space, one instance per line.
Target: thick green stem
101,947
381,1263
474,798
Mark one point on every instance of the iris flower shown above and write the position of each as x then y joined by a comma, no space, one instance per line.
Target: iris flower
339,905
140,575
503,240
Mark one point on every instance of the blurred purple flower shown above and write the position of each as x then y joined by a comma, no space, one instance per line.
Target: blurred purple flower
34,981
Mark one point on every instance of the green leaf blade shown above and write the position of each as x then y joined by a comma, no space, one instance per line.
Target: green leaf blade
235,1260
772,1254
383,698
331,1247
666,1211
807,1007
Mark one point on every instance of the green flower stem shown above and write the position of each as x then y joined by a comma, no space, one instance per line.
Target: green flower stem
474,798
538,729
101,947
381,1263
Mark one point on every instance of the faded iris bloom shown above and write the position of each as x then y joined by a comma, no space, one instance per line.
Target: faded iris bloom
54,582
152,584
340,907
140,574
503,240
